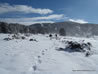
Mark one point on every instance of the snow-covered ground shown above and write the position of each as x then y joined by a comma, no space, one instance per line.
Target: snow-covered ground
30,57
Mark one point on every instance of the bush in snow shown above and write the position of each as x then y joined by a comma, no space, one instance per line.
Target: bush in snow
27,34
87,54
7,39
23,37
50,35
80,47
16,36
77,47
32,40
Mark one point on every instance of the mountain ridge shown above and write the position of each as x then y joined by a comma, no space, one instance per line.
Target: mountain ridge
71,28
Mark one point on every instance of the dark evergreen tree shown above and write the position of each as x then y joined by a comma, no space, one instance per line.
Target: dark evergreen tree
62,32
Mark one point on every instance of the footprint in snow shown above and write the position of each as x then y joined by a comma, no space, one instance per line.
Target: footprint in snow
43,53
39,61
39,56
34,67
46,49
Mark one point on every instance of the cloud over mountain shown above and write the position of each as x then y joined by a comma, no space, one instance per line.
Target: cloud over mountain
30,20
78,21
5,8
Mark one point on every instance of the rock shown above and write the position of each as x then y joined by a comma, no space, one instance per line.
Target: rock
32,40
23,37
7,39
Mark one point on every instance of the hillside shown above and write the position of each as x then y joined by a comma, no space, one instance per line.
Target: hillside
71,28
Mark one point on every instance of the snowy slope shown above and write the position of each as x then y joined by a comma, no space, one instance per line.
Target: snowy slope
31,57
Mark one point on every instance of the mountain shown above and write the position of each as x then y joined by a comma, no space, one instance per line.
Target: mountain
12,28
71,28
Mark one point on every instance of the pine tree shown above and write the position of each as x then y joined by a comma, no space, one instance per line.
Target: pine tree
62,32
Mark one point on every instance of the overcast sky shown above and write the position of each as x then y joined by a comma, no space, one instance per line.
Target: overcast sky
35,11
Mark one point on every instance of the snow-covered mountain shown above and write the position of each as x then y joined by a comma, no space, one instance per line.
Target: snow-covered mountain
40,56
71,28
